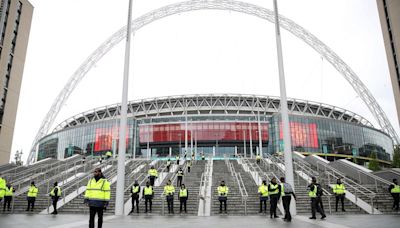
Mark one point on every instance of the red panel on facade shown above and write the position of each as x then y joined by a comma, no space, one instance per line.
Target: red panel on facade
302,135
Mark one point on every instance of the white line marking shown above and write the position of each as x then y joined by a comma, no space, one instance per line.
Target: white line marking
80,223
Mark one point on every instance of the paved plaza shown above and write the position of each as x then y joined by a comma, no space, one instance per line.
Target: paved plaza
143,221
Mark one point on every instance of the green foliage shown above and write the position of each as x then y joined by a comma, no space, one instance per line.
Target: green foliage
396,157
373,164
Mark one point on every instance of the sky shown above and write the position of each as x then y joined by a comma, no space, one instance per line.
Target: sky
198,52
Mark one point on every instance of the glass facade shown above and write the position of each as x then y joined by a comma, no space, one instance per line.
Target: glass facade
217,135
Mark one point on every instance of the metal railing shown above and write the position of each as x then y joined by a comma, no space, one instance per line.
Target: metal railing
239,181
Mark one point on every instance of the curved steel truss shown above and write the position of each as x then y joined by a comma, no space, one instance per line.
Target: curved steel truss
231,5
213,104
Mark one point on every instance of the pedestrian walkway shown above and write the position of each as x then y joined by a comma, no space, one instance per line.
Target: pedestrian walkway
144,221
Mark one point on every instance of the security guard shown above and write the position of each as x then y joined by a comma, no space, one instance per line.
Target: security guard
394,190
55,195
258,159
189,165
135,197
222,196
108,154
32,194
3,184
286,193
263,191
177,158
168,164
179,174
183,196
169,191
274,192
148,195
97,196
340,192
313,194
8,197
153,174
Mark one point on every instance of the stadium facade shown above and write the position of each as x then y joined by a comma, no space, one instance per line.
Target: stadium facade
218,125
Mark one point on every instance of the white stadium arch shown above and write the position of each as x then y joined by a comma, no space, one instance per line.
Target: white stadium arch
231,5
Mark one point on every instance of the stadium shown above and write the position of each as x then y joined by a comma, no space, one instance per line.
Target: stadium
219,126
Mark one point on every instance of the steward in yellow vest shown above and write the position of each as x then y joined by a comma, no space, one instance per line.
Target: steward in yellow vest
183,196
340,192
148,195
223,191
168,164
394,190
274,192
258,159
169,191
177,158
108,154
263,191
55,195
31,196
179,175
135,196
315,198
153,174
9,192
189,165
286,194
97,196
3,184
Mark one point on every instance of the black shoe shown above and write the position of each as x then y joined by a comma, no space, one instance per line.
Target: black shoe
323,217
220,212
130,212
27,210
31,209
312,218
137,212
271,216
343,210
275,216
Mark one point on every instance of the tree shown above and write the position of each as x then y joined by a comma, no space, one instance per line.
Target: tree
373,163
396,157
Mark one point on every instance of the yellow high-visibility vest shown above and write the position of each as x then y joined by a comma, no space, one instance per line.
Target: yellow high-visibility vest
313,193
275,189
33,191
148,191
183,192
263,189
339,189
180,173
3,185
9,191
223,190
153,173
58,192
169,189
396,189
98,190
135,189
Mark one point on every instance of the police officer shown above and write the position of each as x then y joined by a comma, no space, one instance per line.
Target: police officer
55,195
31,196
394,190
135,196
274,192
153,174
97,196
189,165
169,191
183,196
263,191
148,196
168,164
8,197
314,187
223,191
180,177
286,193
3,184
258,159
340,192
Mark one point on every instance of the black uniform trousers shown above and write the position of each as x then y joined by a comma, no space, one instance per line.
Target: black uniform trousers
274,204
263,200
222,200
188,169
148,200
315,206
152,179
396,199
286,206
341,198
55,200
183,201
7,201
135,199
93,211
179,181
170,202
31,203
